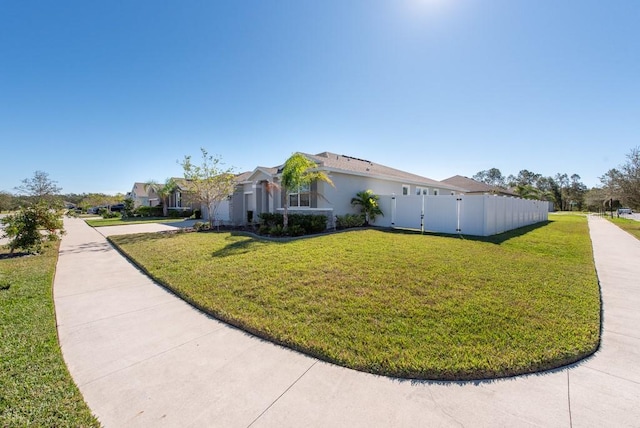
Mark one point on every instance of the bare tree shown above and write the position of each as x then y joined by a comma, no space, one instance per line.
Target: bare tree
209,183
40,188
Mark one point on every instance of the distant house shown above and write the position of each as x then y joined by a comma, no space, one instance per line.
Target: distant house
474,187
143,196
180,199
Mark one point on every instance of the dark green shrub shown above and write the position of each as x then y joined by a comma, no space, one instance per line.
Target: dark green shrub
349,220
177,214
149,211
310,223
271,219
264,229
276,230
105,213
200,226
127,211
197,214
307,223
295,230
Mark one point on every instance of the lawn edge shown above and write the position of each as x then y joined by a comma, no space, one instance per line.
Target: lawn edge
545,367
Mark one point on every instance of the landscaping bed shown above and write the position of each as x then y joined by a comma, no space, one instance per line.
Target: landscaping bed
397,303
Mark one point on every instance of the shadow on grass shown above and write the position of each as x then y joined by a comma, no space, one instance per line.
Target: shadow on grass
242,242
5,256
493,239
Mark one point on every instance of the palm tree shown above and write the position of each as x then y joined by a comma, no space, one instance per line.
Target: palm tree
368,202
299,171
163,191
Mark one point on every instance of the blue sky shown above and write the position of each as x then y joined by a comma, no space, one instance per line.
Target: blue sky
100,94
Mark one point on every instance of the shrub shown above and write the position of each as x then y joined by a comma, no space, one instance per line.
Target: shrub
24,228
276,230
128,210
299,224
149,211
349,220
105,213
178,213
199,226
295,230
271,219
197,214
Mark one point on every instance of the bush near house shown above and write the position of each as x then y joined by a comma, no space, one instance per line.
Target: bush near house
349,220
179,213
299,224
148,211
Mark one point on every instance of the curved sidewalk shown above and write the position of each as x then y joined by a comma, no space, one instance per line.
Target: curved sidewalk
143,357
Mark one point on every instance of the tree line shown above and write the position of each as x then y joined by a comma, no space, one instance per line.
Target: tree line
619,187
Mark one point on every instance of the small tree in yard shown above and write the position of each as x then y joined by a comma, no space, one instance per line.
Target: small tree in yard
37,222
298,171
368,202
209,182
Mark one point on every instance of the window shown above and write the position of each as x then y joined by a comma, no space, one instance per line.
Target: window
405,189
422,191
302,198
178,199
436,192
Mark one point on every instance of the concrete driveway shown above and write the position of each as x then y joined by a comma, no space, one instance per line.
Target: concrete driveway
142,357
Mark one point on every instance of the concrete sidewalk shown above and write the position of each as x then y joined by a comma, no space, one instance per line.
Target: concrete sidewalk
143,357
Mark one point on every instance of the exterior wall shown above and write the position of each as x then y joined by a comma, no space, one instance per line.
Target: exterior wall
347,186
480,215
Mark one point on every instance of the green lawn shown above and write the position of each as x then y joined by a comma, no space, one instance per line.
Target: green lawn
627,224
35,386
397,303
118,221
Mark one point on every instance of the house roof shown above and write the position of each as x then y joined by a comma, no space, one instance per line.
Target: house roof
351,164
140,190
474,186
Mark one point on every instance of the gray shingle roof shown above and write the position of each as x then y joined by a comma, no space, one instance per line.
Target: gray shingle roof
473,186
337,162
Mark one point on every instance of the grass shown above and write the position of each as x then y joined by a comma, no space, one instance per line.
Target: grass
119,221
397,303
627,224
36,388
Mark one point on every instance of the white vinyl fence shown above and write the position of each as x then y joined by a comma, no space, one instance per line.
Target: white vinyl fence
480,215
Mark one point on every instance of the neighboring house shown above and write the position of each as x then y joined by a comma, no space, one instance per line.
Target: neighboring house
473,187
143,196
259,191
180,199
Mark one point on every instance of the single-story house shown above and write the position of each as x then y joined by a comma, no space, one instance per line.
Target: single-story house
259,191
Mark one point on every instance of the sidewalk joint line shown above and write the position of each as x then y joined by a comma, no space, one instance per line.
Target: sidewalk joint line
281,395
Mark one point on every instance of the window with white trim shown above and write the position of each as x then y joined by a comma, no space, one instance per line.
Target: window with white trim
436,192
302,198
422,191
405,190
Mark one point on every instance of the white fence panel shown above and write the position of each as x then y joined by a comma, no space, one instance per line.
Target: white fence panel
481,215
